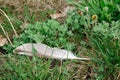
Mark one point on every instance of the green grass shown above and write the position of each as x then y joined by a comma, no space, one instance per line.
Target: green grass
24,67
97,38
106,10
108,58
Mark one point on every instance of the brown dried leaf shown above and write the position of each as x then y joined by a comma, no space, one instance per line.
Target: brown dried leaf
63,13
24,25
3,41
56,15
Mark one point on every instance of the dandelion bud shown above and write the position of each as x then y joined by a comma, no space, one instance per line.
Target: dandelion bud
86,8
80,12
94,17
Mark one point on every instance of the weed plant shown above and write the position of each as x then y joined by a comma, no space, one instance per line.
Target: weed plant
106,10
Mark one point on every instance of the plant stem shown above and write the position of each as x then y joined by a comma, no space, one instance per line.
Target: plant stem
4,14
6,35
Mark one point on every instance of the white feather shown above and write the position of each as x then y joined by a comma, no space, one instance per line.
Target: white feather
45,51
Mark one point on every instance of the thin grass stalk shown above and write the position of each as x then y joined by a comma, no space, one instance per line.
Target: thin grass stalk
6,34
118,76
4,14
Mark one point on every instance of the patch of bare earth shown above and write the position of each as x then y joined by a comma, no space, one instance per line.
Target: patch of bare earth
34,6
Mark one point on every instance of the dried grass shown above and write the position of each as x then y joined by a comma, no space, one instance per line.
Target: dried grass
34,6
